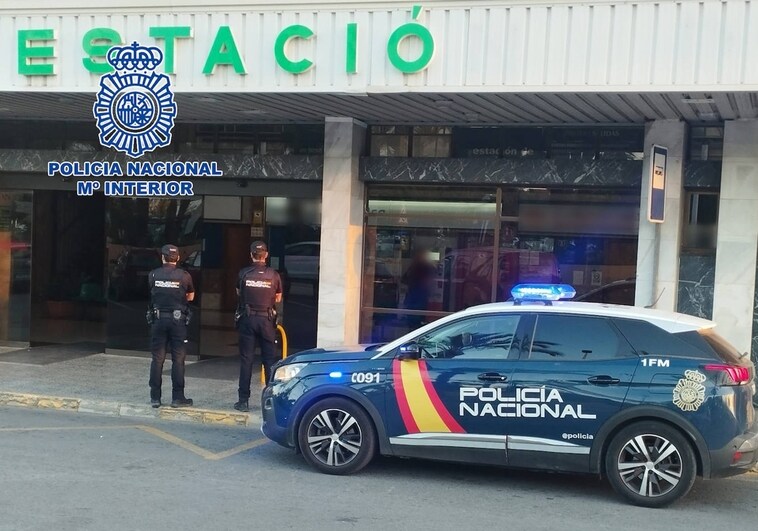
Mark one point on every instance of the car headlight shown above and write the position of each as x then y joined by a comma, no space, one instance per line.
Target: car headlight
286,372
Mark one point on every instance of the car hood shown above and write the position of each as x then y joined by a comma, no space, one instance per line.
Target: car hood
344,353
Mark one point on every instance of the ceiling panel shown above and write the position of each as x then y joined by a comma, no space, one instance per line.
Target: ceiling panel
487,108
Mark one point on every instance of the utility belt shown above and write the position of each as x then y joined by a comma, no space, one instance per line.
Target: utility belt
153,314
249,311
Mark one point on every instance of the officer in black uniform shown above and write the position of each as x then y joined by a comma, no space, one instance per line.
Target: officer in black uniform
170,290
259,289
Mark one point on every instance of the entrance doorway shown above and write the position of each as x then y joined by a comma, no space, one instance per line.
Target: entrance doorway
92,255
68,278
291,228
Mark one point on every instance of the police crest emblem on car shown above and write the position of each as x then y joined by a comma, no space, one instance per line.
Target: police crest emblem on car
689,393
135,107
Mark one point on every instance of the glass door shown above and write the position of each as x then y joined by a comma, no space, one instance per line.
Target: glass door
15,266
136,229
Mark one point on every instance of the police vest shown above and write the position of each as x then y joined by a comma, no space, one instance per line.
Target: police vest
168,288
258,286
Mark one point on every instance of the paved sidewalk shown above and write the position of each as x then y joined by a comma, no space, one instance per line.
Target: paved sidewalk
117,385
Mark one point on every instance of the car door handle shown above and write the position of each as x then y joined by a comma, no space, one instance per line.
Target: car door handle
492,377
603,379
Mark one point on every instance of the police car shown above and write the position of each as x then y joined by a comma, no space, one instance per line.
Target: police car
648,399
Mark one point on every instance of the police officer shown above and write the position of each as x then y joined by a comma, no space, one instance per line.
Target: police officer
259,289
170,290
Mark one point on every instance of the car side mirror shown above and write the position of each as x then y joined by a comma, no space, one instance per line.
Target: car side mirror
409,351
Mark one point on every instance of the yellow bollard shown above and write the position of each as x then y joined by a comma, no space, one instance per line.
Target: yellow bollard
280,328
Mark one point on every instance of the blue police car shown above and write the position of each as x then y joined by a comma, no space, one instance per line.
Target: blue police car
646,398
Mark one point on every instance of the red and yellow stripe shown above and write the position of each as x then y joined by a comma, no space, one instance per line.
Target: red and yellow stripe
420,406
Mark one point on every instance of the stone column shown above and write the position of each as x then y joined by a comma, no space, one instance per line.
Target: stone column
658,243
737,234
341,262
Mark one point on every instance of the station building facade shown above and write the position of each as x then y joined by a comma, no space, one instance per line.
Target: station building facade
403,161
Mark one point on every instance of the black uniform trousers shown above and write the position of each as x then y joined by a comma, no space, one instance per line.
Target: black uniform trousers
254,328
172,332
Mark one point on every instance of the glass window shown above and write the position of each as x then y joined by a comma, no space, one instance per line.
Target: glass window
432,250
621,143
389,141
484,337
587,143
573,338
294,239
432,141
650,340
428,252
701,221
580,237
572,143
135,231
15,265
706,143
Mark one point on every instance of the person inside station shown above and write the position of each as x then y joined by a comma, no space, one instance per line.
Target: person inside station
171,290
419,279
259,289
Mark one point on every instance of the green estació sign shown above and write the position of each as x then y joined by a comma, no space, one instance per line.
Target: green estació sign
37,48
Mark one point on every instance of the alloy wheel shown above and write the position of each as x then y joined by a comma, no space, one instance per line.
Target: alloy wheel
650,465
334,437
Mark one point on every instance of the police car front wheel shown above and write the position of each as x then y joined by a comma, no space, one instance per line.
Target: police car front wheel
650,464
337,436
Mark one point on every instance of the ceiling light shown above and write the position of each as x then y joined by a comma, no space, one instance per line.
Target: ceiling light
695,101
708,116
205,99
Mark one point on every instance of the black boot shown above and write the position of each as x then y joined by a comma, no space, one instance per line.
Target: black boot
181,402
155,402
242,405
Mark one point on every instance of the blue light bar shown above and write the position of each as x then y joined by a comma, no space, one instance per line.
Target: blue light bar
542,292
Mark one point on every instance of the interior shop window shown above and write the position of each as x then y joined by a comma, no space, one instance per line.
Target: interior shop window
706,143
584,238
432,141
389,141
701,221
428,251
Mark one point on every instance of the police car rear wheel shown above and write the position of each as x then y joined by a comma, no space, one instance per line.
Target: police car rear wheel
650,464
337,436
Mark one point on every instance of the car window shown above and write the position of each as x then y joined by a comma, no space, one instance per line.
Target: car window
296,250
573,338
485,337
651,340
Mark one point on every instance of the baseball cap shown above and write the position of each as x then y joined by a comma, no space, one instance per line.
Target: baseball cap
170,252
258,247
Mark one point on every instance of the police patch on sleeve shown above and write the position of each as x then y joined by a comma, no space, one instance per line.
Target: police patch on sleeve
689,393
